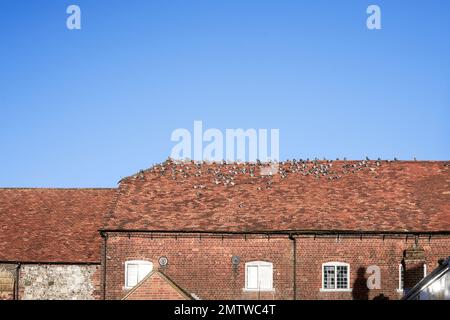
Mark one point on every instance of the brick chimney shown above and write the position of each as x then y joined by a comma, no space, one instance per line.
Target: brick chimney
413,265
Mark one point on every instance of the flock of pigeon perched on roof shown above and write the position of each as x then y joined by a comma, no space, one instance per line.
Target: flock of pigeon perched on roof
227,173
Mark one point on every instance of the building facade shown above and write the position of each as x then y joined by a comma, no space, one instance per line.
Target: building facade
302,266
309,230
50,247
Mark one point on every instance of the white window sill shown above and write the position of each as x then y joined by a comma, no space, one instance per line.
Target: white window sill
400,291
258,290
335,290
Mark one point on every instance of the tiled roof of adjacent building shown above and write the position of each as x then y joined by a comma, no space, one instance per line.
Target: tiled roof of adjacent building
52,225
379,196
61,225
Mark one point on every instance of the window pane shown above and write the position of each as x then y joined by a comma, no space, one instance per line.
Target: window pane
265,277
342,277
328,277
132,275
144,270
252,277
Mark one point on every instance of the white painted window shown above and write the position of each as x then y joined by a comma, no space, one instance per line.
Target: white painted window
401,277
335,276
135,271
259,276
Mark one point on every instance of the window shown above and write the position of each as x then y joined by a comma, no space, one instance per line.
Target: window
135,271
401,276
258,276
335,276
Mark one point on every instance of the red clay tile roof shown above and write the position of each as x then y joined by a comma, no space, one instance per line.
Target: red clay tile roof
379,196
52,225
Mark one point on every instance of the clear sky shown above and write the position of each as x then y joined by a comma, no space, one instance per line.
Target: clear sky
83,108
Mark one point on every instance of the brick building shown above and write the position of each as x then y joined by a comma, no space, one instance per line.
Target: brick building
309,230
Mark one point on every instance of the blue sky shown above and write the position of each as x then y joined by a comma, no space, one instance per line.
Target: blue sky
84,108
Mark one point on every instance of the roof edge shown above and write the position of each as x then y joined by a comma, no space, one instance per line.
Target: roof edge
281,232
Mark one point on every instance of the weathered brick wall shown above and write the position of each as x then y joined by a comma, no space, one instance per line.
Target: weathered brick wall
360,253
7,279
59,282
202,265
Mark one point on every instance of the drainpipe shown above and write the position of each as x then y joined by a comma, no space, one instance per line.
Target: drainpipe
294,269
105,239
16,283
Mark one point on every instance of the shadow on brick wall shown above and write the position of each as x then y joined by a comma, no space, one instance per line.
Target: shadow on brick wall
360,290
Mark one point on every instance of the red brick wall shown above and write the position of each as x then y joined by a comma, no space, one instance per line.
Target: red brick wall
360,253
155,288
202,265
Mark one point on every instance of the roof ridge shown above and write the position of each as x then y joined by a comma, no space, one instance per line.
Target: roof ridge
258,163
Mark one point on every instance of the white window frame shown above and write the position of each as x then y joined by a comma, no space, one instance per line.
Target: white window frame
139,263
335,264
258,264
400,282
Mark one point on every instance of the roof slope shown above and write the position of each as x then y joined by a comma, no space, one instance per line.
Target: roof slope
52,225
390,196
